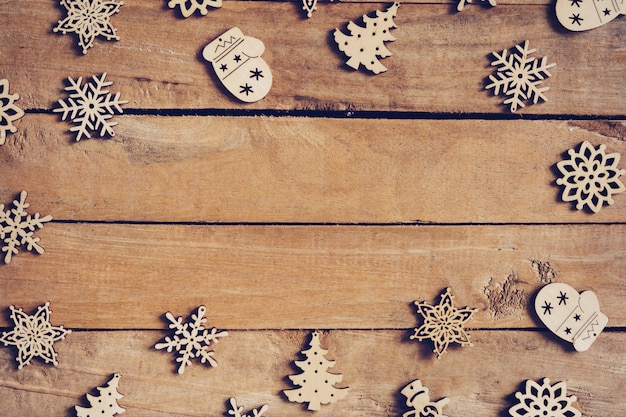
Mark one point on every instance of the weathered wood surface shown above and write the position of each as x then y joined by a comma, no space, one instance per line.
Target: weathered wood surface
478,380
258,277
303,170
440,60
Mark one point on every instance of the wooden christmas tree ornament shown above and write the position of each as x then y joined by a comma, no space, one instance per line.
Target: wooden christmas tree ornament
544,400
579,15
571,316
418,398
237,411
590,177
17,228
33,335
9,112
191,339
237,61
105,403
315,382
89,19
364,44
443,323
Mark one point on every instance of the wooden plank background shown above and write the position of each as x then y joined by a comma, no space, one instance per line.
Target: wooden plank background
331,204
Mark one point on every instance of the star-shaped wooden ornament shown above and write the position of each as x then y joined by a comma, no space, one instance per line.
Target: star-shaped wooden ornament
443,323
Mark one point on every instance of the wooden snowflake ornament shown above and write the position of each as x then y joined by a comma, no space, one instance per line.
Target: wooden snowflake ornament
443,323
418,398
364,44
579,15
544,400
315,382
590,177
89,19
91,107
33,335
191,340
571,316
17,228
237,411
519,76
189,7
9,112
105,403
236,59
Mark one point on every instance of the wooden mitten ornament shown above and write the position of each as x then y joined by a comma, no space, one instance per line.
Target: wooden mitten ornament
315,382
418,398
579,15
571,316
237,62
105,403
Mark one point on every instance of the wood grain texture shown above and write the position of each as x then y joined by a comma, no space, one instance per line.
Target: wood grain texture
440,62
478,380
304,170
258,277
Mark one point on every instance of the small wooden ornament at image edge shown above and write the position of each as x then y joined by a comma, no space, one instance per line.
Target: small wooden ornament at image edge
461,4
580,15
571,316
237,411
309,6
418,398
544,399
105,403
9,112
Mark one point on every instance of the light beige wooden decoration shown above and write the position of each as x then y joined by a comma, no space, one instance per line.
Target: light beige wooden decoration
571,316
105,403
418,398
89,19
364,44
461,4
237,62
17,228
315,382
90,106
590,177
309,6
443,323
33,336
9,112
191,340
579,15
189,7
237,411
519,76
543,399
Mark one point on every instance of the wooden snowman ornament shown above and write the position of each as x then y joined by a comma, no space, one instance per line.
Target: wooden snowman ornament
579,15
571,316
237,62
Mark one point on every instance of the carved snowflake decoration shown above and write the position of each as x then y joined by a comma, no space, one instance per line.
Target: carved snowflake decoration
17,228
9,112
237,411
189,7
191,340
90,107
590,177
33,336
443,323
88,19
544,400
519,76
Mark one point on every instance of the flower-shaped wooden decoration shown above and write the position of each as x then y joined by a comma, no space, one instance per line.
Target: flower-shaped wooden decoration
544,400
33,335
88,19
9,112
443,323
590,177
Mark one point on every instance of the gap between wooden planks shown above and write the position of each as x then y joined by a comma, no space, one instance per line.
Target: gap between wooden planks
440,59
253,365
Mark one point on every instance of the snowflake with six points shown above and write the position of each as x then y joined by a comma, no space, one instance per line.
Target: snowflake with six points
191,339
90,106
33,336
9,112
519,76
443,323
88,19
17,228
590,177
540,400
